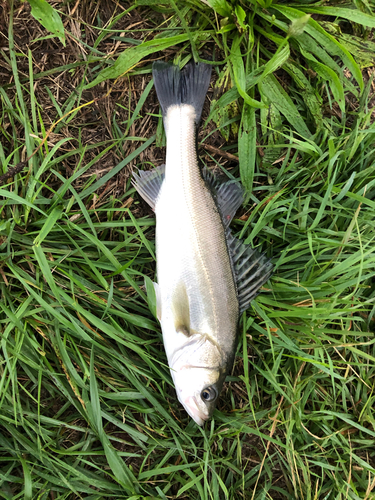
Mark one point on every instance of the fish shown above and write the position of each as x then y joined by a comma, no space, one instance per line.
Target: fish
206,277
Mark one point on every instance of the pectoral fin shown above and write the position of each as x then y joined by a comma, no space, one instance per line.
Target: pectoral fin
181,309
158,300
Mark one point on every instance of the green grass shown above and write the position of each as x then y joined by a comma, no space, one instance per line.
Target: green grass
87,405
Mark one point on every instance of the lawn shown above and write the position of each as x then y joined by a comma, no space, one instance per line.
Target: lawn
87,405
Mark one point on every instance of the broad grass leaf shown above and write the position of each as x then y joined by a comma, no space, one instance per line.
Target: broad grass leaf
357,197
354,15
362,50
271,124
241,16
276,94
334,82
326,40
233,94
247,146
277,60
308,43
221,115
329,75
222,7
48,17
131,57
239,74
346,418
311,98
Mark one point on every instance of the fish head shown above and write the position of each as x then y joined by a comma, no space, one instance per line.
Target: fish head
198,370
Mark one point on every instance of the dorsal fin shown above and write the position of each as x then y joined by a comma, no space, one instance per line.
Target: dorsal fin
228,195
251,269
148,183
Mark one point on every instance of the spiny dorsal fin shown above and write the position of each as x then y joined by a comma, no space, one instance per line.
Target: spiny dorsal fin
229,199
148,183
228,195
181,309
251,270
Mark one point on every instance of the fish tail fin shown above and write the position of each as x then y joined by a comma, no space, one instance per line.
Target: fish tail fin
186,86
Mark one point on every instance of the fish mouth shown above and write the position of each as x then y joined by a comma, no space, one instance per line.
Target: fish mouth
190,405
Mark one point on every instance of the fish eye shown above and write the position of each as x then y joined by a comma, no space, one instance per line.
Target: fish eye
209,394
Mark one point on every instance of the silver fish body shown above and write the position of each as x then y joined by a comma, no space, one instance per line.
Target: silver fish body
197,291
199,305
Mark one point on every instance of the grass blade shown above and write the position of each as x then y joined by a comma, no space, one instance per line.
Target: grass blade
247,147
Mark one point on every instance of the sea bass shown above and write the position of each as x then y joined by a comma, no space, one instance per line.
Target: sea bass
206,276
